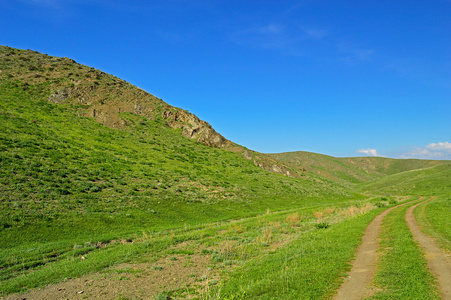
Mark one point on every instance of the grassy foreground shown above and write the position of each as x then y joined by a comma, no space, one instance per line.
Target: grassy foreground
402,271
313,238
309,267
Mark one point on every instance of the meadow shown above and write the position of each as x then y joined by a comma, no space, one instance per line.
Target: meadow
78,197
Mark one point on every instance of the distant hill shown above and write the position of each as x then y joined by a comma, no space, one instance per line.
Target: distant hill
434,180
352,169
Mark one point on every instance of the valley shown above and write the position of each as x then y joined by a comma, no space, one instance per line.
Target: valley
108,192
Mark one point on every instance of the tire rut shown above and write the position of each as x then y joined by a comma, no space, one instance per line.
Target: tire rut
357,284
439,262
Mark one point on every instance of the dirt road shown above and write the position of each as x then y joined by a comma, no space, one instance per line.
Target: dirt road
439,262
357,284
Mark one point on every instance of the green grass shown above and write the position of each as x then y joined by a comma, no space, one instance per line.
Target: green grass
72,188
434,218
309,267
352,170
402,271
428,181
229,244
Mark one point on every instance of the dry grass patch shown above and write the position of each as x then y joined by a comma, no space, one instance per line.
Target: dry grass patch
319,216
293,219
328,211
266,235
355,211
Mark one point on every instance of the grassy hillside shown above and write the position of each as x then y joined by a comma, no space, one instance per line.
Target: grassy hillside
59,168
67,178
429,181
352,169
94,172
105,98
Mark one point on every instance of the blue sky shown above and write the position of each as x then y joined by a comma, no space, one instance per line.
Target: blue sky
338,77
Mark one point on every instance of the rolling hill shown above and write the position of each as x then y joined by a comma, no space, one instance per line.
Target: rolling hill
352,169
92,165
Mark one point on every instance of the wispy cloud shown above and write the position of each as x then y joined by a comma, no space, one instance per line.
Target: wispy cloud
270,36
173,38
441,150
290,38
369,152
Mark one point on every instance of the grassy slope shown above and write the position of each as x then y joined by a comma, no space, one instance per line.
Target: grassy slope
352,169
429,181
66,180
55,164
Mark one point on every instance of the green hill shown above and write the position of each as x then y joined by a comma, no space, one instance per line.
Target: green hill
352,169
75,157
429,181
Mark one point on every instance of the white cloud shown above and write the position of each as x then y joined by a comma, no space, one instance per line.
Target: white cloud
370,152
441,150
445,146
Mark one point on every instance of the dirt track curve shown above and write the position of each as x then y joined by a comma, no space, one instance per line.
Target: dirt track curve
439,262
357,284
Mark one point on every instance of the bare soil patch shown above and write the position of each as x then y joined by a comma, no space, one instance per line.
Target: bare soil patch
439,262
189,274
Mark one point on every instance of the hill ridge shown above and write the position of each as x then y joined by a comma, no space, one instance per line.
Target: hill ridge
353,169
106,98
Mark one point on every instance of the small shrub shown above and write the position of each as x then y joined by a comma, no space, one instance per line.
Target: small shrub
392,201
157,268
380,204
322,225
4,225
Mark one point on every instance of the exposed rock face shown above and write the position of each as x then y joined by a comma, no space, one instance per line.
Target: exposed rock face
59,96
247,154
107,112
273,167
194,128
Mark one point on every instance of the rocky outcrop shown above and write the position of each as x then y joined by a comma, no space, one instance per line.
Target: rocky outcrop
59,96
273,167
194,128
